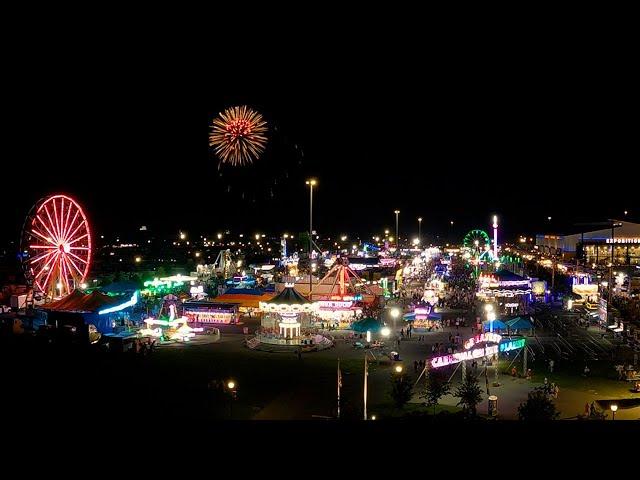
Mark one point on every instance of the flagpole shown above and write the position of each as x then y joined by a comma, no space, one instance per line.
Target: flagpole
339,385
366,374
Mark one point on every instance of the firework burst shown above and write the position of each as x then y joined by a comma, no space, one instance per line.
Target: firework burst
238,135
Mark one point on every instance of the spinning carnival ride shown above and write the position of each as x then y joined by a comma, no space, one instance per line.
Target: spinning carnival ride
56,246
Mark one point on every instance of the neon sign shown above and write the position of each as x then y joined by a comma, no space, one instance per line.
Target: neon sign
488,337
512,345
471,354
462,356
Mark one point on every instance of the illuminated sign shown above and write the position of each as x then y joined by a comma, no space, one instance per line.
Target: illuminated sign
511,305
334,304
471,354
623,240
512,345
210,317
196,290
458,357
488,337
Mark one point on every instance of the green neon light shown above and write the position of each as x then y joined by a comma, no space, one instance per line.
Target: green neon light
512,345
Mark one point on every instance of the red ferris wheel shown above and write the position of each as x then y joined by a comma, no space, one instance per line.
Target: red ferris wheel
56,246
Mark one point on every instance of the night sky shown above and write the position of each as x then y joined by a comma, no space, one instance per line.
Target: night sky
524,134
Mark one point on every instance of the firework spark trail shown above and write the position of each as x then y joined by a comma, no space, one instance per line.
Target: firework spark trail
238,135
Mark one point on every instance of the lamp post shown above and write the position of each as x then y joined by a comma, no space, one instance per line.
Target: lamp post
397,212
614,409
491,316
231,385
420,229
311,182
395,313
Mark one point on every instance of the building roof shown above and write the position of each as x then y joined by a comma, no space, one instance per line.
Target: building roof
209,304
289,296
503,275
588,228
244,300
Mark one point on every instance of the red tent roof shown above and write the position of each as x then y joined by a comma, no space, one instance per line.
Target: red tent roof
77,301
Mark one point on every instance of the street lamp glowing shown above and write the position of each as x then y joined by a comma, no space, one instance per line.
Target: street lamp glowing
395,312
182,236
398,369
231,385
83,285
416,241
138,259
488,308
385,331
219,236
373,417
312,182
343,238
396,212
614,409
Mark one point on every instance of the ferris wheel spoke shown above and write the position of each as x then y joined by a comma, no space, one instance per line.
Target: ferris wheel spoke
70,261
50,263
70,225
66,223
53,227
33,230
70,236
76,256
65,272
78,239
55,216
45,247
52,236
41,257
79,248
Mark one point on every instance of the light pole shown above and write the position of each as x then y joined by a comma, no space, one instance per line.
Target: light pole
420,229
395,313
491,316
311,182
231,385
397,212
614,409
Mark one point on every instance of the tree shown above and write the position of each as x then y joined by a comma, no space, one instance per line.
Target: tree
401,389
469,393
538,407
437,387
